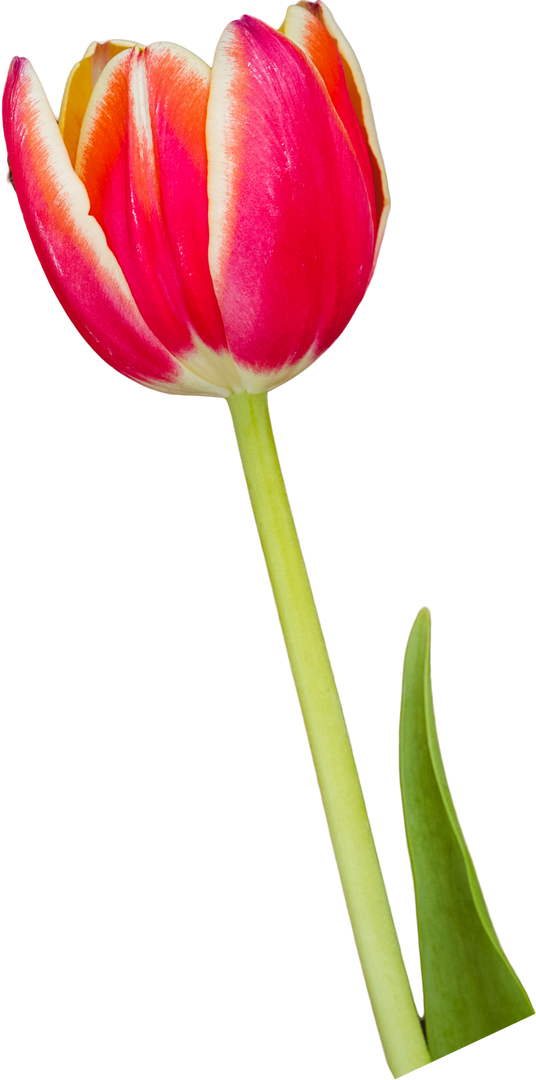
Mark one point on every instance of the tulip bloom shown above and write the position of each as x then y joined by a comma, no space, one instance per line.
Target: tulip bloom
207,231
212,232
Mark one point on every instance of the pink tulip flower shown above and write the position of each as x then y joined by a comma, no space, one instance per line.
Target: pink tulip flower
207,231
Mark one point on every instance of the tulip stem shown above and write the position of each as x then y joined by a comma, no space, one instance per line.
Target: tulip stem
370,915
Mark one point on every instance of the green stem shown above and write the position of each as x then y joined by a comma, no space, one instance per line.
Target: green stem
362,882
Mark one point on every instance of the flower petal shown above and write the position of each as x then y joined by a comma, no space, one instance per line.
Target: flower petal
142,158
291,230
72,247
360,99
79,88
308,31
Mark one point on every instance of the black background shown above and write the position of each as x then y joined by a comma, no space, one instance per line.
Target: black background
173,888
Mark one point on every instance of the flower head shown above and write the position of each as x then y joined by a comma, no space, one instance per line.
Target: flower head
207,231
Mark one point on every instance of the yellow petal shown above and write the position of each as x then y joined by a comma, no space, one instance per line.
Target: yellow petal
79,82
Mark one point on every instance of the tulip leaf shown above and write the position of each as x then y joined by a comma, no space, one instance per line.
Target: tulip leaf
470,989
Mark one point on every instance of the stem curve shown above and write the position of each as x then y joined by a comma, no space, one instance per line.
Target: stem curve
364,890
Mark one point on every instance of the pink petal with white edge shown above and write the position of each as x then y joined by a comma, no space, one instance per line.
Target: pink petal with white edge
291,230
72,248
359,96
142,158
308,31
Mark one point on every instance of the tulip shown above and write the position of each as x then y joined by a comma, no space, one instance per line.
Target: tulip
208,232
212,232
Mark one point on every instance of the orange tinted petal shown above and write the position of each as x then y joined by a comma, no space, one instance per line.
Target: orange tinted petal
72,247
359,93
78,86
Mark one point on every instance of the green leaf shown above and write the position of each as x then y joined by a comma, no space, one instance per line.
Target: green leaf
470,989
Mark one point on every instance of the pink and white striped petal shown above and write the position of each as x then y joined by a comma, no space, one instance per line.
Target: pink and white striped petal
142,158
291,229
360,99
72,248
307,31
